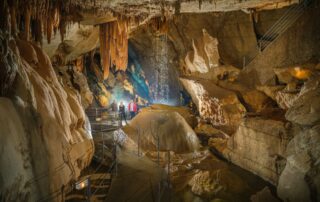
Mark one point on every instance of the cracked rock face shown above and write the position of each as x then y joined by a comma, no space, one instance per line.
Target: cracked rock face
218,106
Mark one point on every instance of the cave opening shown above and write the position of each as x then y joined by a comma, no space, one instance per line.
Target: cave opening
180,100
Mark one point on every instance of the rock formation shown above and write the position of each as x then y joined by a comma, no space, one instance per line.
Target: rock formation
44,142
255,107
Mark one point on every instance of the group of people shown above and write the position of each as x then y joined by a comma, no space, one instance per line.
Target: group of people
121,109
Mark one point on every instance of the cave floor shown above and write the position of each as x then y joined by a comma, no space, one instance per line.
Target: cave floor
137,179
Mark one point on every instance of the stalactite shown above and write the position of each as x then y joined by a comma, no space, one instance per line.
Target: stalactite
36,30
256,16
112,32
62,28
49,29
177,7
27,21
24,16
104,49
13,16
79,63
5,21
159,24
114,45
44,24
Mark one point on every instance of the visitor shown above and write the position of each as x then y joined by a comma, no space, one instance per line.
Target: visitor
136,99
122,113
114,110
114,106
132,107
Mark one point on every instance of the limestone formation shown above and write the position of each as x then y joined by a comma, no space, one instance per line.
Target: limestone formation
76,81
185,112
234,98
219,106
204,56
113,38
173,131
8,65
42,119
299,180
259,146
306,109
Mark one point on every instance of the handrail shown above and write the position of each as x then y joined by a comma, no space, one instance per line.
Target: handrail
285,23
94,112
279,27
58,168
58,192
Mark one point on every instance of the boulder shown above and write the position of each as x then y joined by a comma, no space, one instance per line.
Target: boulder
203,184
217,105
292,74
259,146
264,195
306,109
169,127
253,99
256,101
292,184
284,96
218,182
185,112
270,91
209,131
300,180
212,137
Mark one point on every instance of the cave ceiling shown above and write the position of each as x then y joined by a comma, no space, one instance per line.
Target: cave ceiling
156,7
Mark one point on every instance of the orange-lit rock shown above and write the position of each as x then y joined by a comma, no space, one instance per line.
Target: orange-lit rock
300,73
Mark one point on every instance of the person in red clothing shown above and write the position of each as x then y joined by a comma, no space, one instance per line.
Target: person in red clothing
132,107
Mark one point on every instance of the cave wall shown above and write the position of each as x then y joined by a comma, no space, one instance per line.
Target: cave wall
44,139
150,54
237,38
267,135
300,44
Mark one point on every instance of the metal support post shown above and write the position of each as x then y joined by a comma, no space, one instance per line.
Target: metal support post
88,190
